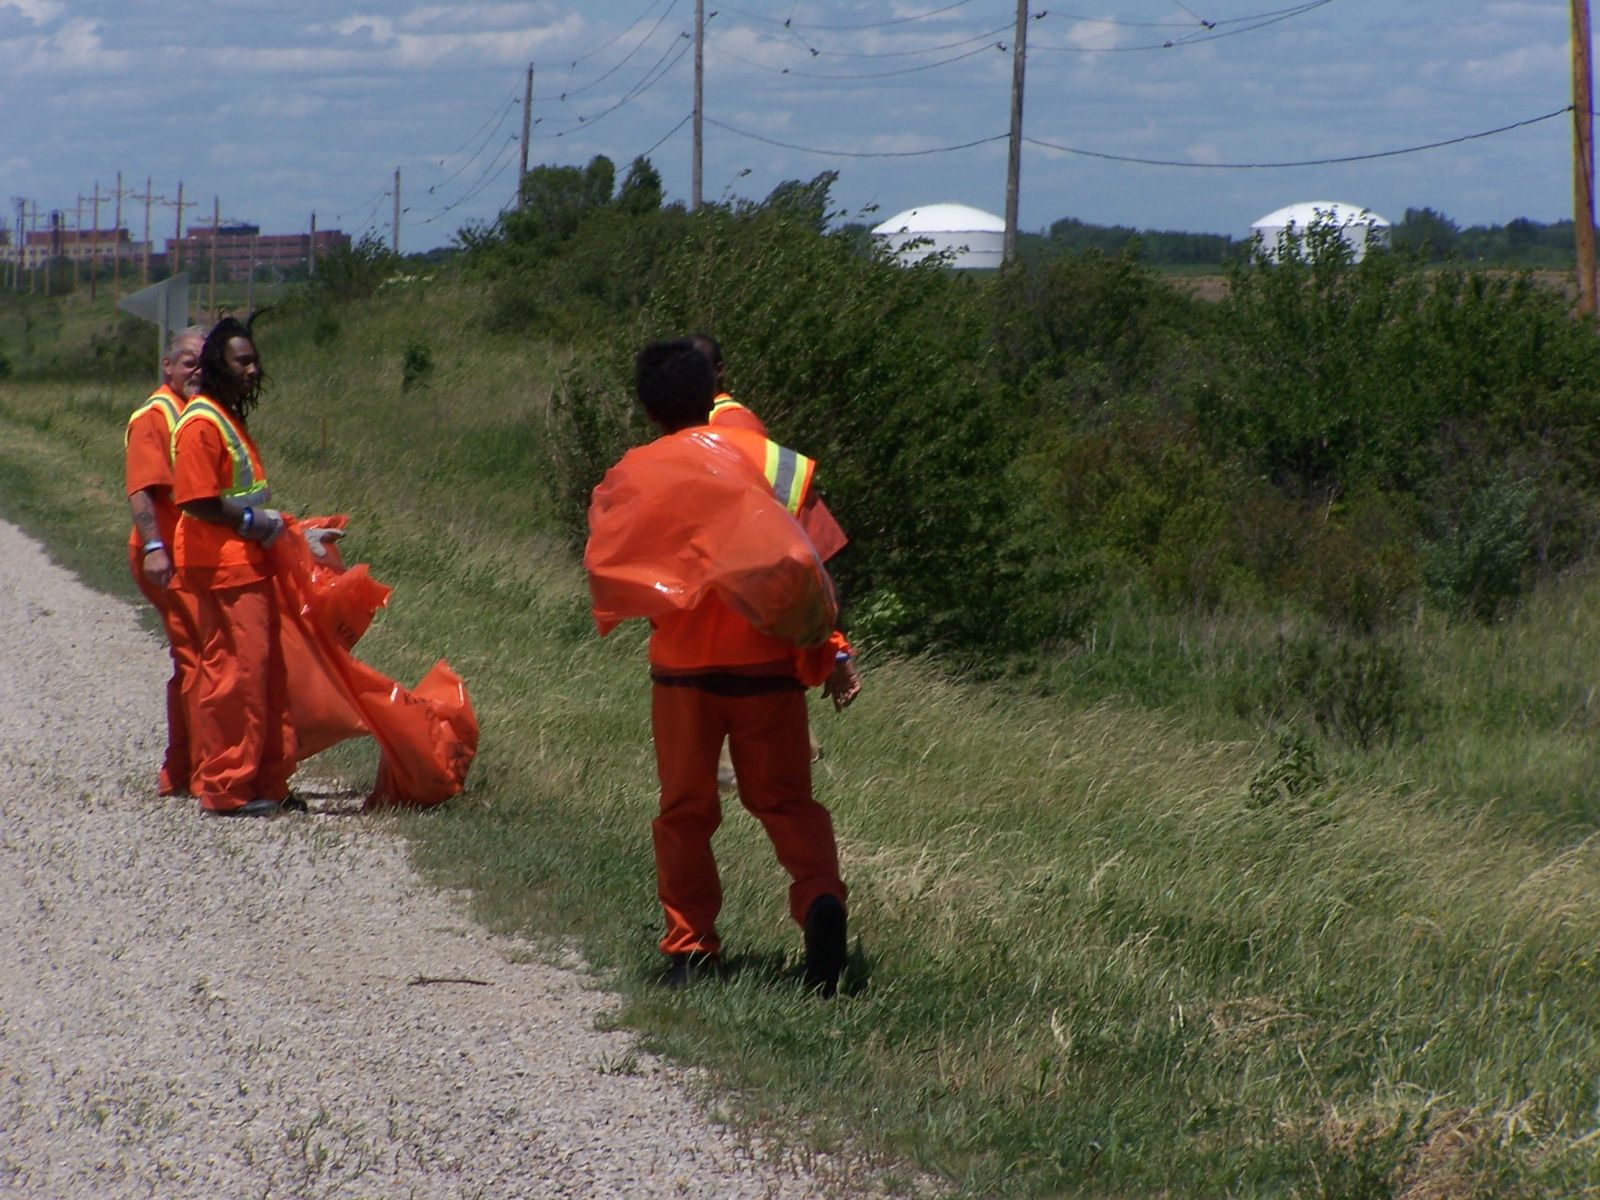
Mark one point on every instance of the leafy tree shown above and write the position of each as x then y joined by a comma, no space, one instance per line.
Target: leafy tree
641,190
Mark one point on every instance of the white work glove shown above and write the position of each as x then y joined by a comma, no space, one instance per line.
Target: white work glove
260,525
318,536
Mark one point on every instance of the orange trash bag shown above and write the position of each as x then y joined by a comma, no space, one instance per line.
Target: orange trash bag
687,515
426,736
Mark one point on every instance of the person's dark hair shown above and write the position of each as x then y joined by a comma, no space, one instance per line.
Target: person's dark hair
214,378
675,384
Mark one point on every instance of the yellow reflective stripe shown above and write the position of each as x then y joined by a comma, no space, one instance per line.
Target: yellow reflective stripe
164,402
789,473
199,409
723,405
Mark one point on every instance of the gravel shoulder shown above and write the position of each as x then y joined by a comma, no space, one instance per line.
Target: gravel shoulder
193,1007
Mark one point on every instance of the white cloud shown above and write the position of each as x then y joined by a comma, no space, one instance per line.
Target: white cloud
40,12
75,48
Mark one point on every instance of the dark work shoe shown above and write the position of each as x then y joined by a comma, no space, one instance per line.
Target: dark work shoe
293,803
686,968
826,945
250,808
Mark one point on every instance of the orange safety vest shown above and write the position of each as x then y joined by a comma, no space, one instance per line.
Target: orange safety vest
249,476
163,399
222,557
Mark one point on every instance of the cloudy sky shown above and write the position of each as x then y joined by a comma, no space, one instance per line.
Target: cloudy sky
285,108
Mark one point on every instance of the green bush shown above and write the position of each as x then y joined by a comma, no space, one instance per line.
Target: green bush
1479,567
1359,689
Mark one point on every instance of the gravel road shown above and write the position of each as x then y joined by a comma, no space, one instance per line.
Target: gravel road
213,1009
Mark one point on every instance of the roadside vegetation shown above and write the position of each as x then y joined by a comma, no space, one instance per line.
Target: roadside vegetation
1218,813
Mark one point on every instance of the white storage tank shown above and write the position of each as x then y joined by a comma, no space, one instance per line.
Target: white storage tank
1359,227
977,238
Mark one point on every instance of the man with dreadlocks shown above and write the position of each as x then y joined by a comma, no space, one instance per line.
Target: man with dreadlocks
244,740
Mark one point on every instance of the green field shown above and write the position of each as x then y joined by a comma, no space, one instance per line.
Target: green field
1112,934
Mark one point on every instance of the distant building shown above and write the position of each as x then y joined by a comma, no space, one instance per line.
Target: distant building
240,248
100,246
1361,228
974,238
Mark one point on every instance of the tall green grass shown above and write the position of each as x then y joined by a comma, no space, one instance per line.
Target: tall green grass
1088,958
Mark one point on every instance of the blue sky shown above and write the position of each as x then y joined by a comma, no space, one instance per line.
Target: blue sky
285,108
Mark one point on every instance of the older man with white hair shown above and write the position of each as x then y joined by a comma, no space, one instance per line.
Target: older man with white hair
148,468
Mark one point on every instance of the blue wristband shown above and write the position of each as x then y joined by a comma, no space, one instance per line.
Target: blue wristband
248,520
841,656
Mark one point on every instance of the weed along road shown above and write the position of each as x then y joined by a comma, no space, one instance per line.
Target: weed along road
200,1008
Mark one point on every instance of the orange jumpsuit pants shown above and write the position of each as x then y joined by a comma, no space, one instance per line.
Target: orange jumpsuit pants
179,618
243,732
769,740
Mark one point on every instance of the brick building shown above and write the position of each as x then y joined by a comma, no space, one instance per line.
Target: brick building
100,246
239,248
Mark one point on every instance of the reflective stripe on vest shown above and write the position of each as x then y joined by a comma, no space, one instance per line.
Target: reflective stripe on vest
170,410
724,403
788,471
245,484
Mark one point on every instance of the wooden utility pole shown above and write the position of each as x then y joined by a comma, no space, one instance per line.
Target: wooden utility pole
1583,158
77,240
116,247
216,223
22,240
311,267
144,274
94,246
394,239
33,231
699,102
1019,59
177,232
527,131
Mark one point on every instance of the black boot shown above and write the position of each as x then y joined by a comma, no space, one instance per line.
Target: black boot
826,945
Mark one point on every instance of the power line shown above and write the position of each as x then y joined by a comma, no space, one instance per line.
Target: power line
510,102
505,112
756,137
639,89
488,176
943,62
978,37
1193,39
791,24
623,61
663,138
1309,162
588,54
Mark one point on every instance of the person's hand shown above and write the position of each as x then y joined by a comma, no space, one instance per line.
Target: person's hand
158,566
260,525
843,685
318,536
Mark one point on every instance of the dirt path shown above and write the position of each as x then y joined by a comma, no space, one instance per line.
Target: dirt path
204,1008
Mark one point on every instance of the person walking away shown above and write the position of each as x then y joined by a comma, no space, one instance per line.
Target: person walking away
147,470
714,674
243,732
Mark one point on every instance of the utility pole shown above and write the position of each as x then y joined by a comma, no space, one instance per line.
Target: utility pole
33,232
1583,158
1019,59
527,132
177,232
144,274
94,246
216,223
311,267
116,247
699,101
394,239
77,239
22,240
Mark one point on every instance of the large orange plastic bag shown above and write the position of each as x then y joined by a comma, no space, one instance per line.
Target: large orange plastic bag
687,515
426,737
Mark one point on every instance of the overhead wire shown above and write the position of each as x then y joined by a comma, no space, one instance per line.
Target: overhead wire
816,52
590,53
623,61
792,24
1308,162
999,137
651,77
1193,39
944,62
505,111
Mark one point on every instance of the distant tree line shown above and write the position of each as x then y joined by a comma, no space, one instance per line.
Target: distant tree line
1425,231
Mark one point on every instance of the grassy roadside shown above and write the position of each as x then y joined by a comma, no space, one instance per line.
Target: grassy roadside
1088,962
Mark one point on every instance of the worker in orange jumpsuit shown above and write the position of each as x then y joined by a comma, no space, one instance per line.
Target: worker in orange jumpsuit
243,733
715,675
728,414
148,482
